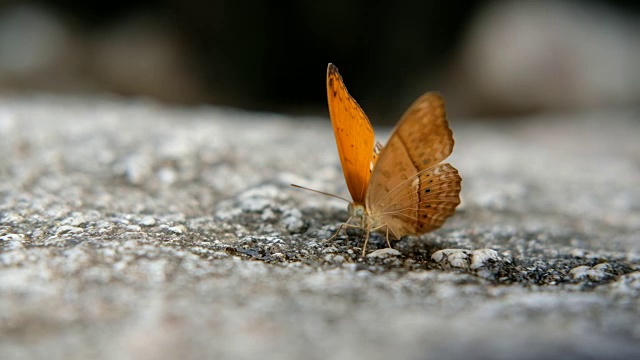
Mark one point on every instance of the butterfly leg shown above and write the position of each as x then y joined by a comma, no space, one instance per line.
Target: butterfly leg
345,225
366,240
388,243
336,233
387,232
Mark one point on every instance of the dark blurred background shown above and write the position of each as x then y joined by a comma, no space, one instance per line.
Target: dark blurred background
489,58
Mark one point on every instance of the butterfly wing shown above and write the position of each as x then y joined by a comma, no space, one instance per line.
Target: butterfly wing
409,190
354,135
377,149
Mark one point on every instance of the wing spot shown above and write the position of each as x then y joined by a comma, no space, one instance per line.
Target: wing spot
427,190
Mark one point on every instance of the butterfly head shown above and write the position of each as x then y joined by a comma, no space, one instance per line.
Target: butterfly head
356,211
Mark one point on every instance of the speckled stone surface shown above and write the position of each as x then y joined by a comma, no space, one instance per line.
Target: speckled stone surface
132,230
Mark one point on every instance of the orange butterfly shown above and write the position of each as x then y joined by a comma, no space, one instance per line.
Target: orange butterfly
401,189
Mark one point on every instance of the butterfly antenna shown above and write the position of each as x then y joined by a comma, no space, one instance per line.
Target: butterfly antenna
320,192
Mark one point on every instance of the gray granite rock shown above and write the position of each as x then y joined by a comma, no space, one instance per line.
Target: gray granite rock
132,230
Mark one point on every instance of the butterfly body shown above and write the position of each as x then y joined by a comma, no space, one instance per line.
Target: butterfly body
402,188
359,214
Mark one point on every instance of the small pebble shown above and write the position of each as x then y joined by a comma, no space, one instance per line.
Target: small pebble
481,256
147,221
383,253
462,258
292,220
329,250
66,229
268,215
596,273
457,258
12,237
135,228
178,229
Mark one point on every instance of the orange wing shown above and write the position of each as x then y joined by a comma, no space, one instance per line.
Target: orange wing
410,191
354,135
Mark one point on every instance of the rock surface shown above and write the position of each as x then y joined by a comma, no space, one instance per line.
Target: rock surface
132,230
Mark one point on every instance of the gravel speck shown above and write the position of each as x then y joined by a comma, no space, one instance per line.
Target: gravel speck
147,221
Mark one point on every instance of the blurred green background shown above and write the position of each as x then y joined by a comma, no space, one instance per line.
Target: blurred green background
489,58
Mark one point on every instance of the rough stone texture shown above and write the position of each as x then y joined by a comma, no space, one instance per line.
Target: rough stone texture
131,230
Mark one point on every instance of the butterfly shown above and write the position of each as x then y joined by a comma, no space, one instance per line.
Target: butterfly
402,188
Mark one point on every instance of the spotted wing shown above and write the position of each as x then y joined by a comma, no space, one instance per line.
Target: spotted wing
410,191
